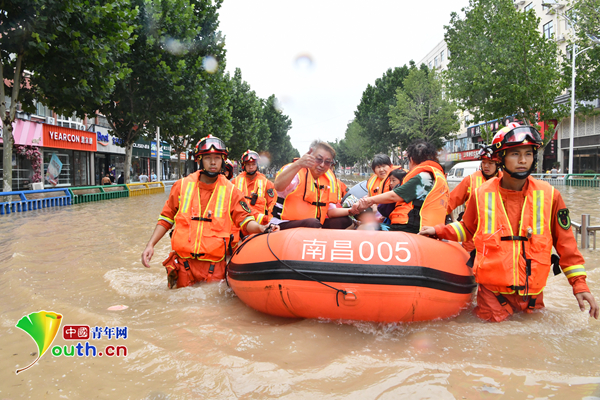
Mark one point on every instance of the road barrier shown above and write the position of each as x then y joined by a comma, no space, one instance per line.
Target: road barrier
138,189
579,180
86,194
585,230
33,200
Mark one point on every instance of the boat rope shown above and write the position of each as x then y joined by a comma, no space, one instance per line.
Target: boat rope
337,291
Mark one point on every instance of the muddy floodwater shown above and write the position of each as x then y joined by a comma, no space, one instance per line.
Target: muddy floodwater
202,342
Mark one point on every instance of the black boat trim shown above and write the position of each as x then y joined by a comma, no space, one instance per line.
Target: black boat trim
372,274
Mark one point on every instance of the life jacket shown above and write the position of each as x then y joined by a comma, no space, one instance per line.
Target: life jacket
260,206
428,212
475,180
205,237
507,261
376,185
310,199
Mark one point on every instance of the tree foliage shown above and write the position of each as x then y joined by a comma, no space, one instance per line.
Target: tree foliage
280,147
73,49
501,64
420,111
372,113
586,14
168,84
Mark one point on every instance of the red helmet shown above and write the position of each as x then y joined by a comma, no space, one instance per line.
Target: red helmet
228,169
515,135
249,155
485,153
210,145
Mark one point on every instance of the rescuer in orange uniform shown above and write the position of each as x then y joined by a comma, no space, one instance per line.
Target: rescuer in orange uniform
462,193
422,198
307,194
228,169
256,188
515,221
203,208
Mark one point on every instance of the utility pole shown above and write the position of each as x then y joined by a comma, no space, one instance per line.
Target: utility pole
158,150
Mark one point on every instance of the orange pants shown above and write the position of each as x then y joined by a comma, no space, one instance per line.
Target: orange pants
183,272
489,307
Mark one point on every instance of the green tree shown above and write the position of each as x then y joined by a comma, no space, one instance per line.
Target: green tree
280,146
176,50
73,50
421,112
250,129
586,14
356,144
372,113
502,65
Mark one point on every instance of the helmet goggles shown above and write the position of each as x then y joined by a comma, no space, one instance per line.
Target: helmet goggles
521,135
209,143
250,155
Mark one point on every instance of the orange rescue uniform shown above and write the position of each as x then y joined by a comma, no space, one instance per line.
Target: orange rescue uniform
266,196
203,216
500,268
461,194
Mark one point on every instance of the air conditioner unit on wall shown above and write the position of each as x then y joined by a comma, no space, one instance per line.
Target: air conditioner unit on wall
50,121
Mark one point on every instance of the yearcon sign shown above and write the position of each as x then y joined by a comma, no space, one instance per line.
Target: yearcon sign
67,138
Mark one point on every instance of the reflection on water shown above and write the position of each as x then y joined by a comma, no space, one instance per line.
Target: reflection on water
202,342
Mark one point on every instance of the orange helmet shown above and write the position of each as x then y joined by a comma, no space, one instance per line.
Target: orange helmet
515,135
210,145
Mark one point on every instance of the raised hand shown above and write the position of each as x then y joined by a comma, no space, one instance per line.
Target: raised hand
307,160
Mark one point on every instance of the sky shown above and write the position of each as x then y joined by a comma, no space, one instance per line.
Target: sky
318,57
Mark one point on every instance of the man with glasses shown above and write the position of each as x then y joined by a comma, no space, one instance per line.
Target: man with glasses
203,209
306,195
515,221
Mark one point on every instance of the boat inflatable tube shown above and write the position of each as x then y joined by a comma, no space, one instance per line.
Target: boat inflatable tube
352,275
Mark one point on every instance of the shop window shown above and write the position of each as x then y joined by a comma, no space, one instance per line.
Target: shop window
64,177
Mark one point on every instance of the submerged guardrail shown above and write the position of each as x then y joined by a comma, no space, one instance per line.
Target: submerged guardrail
579,180
86,194
585,230
138,189
33,200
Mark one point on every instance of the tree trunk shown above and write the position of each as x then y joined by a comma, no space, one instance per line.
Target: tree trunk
540,160
7,137
128,156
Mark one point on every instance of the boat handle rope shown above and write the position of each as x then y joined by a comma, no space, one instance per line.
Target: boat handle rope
337,291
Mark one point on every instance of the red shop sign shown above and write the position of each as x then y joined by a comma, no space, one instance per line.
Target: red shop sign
67,138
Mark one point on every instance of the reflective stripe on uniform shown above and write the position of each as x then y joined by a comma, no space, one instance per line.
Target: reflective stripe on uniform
246,220
163,218
241,184
574,270
460,232
538,212
187,195
220,201
490,212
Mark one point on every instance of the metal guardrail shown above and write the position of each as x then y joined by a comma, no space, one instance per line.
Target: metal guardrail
36,202
585,230
579,180
138,189
86,194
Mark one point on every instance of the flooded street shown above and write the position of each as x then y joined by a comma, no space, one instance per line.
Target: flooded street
202,342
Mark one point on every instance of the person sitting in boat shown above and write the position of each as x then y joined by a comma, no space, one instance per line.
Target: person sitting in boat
362,220
515,220
395,179
202,209
381,166
422,198
306,195
462,193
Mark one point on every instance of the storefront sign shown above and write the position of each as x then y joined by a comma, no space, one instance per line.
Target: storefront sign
108,143
67,138
53,171
165,151
26,133
141,148
462,155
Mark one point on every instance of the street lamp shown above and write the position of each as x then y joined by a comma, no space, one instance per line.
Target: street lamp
575,53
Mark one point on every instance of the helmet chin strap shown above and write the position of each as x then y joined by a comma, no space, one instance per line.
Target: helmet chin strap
250,173
486,176
520,175
211,174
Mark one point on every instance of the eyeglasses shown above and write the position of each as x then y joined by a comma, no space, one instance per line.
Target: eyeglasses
327,163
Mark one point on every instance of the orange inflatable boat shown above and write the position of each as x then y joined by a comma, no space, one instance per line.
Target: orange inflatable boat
351,275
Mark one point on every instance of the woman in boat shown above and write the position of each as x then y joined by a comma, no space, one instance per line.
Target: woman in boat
423,197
